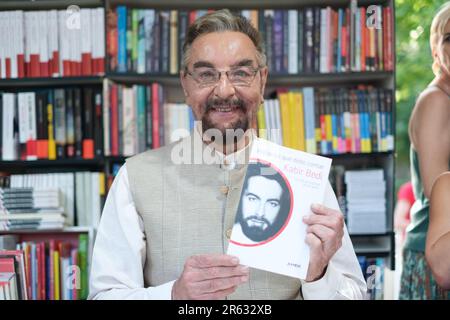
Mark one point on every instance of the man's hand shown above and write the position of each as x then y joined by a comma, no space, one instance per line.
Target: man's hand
209,277
324,236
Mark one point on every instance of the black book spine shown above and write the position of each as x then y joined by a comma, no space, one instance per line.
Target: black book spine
78,115
98,129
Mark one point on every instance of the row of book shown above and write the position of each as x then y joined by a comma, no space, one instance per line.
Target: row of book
133,118
51,124
373,269
313,39
45,270
79,123
361,195
81,200
329,121
52,43
31,208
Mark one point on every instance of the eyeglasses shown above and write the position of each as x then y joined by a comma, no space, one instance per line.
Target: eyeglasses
241,76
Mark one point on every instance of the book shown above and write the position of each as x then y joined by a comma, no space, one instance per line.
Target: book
279,187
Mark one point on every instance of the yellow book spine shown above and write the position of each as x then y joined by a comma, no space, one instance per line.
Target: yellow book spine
262,128
285,128
300,121
56,274
328,128
51,136
293,121
101,178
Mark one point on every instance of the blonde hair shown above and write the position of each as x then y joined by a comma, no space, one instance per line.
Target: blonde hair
437,30
221,21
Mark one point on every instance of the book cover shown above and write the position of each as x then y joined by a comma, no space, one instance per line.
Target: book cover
279,187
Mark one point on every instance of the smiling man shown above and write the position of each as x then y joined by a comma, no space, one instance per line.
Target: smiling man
166,223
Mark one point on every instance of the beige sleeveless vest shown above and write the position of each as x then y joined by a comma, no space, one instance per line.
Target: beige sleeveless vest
189,209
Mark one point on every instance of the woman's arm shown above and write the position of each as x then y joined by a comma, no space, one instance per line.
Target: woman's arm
430,135
438,236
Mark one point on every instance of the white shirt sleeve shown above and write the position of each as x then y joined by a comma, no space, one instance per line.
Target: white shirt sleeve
343,278
120,250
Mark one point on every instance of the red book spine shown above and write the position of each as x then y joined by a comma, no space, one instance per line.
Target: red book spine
155,115
34,65
42,271
114,121
389,42
8,68
55,64
100,66
86,64
66,68
51,272
44,69
192,16
20,66
38,273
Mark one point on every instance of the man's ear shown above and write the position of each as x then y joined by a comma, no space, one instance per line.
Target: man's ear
264,74
184,84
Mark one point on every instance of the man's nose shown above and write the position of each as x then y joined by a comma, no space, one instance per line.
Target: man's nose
260,210
224,88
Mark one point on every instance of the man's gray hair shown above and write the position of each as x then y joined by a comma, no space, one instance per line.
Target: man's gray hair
221,21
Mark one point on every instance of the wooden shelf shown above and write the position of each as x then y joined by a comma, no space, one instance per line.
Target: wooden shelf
305,79
65,230
248,4
97,162
50,82
47,4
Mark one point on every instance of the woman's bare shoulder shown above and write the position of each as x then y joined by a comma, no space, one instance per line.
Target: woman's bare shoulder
432,104
442,183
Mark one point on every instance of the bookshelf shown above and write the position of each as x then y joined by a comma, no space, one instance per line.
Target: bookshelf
371,245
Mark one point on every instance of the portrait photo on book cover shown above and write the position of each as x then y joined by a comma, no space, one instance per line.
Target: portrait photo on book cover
265,205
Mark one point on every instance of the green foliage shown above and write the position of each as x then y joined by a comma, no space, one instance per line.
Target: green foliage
413,21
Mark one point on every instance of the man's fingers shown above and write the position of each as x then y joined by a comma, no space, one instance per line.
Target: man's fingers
220,272
321,232
218,294
322,210
212,260
219,284
313,241
334,222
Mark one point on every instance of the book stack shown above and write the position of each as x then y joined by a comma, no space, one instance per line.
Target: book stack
366,201
329,121
81,194
52,43
50,270
29,208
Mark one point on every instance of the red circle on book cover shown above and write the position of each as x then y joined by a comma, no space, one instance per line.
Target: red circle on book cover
288,218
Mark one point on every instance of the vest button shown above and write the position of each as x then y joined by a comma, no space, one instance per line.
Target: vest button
228,233
224,189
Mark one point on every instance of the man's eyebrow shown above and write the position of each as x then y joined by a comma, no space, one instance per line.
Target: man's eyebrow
243,63
252,194
203,64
